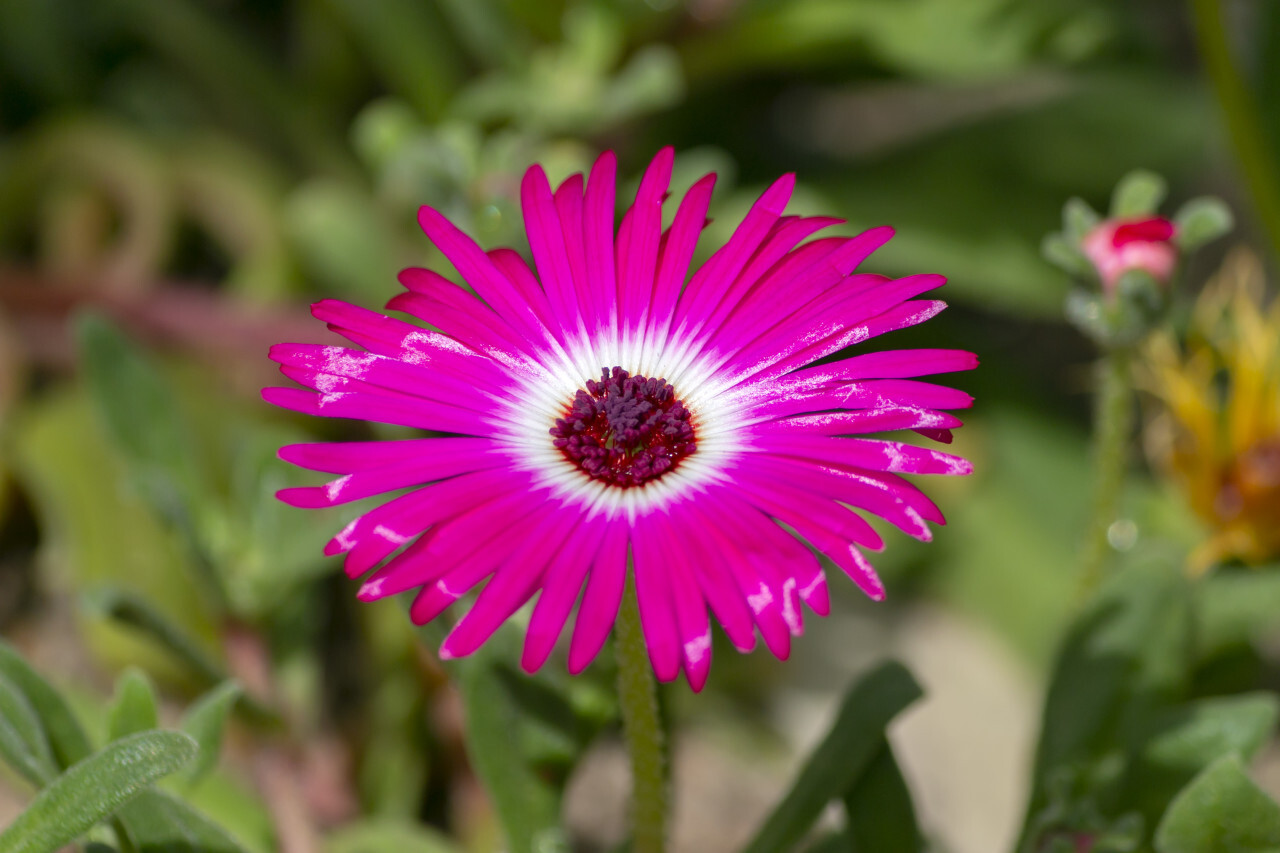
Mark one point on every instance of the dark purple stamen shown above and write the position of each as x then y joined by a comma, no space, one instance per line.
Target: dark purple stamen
624,429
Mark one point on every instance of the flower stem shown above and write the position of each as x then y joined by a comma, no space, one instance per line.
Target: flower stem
646,745
1112,425
1240,109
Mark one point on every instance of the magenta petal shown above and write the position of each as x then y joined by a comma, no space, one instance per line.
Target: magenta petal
445,461
476,268
638,241
692,625
892,456
602,598
941,435
896,364
352,456
765,599
654,596
677,251
597,232
711,283
465,574
546,239
861,421
514,584
718,587
563,583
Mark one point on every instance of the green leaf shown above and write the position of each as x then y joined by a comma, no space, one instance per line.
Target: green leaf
1078,219
1064,254
527,805
409,47
92,511
1200,221
136,612
1197,734
387,836
1126,657
66,738
1235,607
157,822
1139,193
137,406
342,239
1129,648
1221,811
22,739
843,756
94,788
880,815
134,706
205,721
1191,737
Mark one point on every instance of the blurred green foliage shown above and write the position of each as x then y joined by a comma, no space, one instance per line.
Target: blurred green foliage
177,177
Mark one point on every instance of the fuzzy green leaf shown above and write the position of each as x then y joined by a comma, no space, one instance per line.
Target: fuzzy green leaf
95,788
1062,253
1201,221
1191,737
1139,193
1078,219
65,735
1221,810
22,739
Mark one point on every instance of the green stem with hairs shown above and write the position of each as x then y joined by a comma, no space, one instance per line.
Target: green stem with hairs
646,744
1112,427
1240,109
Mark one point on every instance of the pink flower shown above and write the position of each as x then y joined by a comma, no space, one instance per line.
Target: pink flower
602,409
1116,246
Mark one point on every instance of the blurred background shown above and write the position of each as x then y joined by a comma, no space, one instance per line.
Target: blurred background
179,178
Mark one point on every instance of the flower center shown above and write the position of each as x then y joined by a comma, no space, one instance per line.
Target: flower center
624,429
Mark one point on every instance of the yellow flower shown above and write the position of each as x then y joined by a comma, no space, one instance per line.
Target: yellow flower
1216,430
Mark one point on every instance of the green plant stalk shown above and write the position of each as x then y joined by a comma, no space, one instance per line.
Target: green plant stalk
646,745
1112,426
1240,110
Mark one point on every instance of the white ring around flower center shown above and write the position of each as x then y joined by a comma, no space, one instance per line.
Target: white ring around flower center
542,393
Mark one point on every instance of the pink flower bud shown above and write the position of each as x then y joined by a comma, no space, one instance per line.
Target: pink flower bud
1118,245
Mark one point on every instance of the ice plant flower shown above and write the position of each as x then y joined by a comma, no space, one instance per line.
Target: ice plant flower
605,407
1115,246
1216,433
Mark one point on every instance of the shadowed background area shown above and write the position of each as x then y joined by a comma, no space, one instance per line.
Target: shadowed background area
179,178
